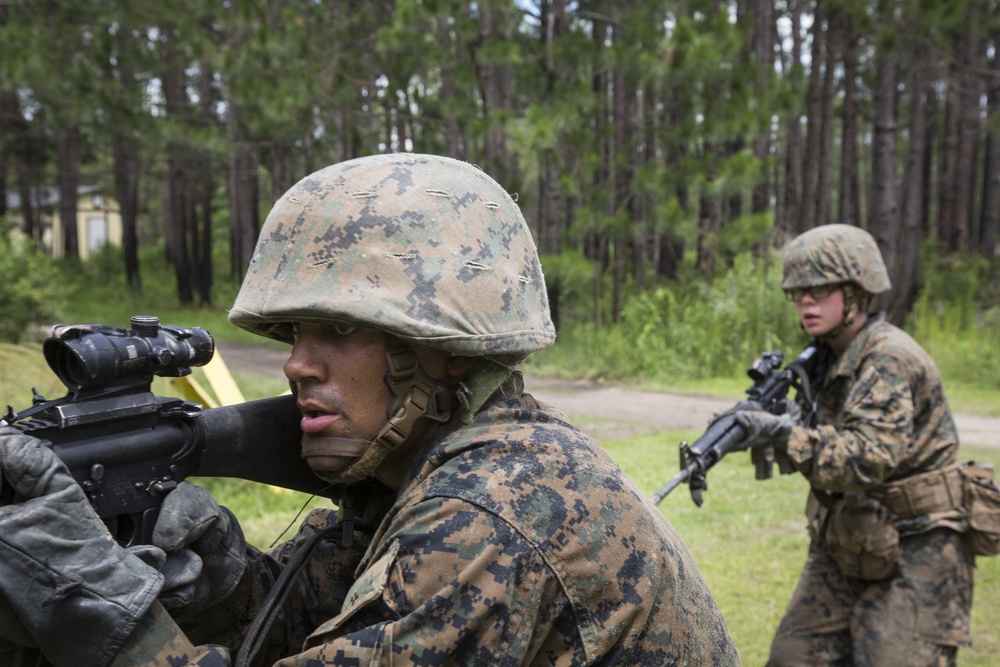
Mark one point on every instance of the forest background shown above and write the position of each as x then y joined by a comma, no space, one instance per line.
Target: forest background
660,151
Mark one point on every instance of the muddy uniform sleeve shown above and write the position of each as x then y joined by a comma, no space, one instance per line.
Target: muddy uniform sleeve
868,439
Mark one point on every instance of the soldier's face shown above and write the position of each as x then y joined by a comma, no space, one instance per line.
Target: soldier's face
820,315
338,373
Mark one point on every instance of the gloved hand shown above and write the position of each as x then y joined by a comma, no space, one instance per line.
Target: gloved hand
206,550
763,428
739,407
75,591
793,410
13,634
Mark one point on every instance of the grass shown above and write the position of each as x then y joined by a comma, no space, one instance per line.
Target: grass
748,539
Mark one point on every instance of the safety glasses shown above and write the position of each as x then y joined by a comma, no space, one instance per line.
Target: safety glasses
817,292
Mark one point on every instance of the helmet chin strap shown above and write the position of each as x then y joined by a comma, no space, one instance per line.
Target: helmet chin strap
421,403
852,308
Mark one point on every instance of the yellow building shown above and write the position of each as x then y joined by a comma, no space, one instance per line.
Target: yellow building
98,219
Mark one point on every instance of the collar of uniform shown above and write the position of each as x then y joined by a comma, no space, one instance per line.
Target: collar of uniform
847,364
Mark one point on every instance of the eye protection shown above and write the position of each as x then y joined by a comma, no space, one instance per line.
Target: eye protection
817,292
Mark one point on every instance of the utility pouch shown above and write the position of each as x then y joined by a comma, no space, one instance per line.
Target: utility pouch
816,515
862,539
982,502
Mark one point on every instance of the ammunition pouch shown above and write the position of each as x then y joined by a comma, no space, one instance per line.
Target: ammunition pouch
982,501
969,486
934,492
861,538
862,531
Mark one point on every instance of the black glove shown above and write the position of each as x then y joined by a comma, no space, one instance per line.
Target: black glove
75,591
762,428
206,551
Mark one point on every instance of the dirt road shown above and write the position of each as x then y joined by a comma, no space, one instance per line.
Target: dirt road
609,411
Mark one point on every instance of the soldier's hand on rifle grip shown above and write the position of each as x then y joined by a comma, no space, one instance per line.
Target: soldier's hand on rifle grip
73,589
763,428
741,406
206,546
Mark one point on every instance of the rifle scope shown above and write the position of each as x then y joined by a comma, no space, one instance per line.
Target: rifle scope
91,356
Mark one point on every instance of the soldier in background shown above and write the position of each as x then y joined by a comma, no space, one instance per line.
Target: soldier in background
888,580
475,527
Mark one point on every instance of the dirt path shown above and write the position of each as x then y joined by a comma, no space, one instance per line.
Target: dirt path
609,411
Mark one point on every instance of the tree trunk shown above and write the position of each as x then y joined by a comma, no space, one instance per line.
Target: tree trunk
68,179
807,215
906,286
849,203
203,247
126,170
824,162
179,201
883,222
176,224
990,225
762,46
969,130
495,89
949,232
243,210
790,221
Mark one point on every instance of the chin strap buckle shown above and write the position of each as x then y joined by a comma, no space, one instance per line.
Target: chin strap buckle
418,396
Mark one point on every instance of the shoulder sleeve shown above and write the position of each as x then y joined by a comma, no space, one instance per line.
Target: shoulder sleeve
876,424
455,585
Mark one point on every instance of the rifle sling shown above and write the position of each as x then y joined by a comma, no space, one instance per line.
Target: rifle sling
279,592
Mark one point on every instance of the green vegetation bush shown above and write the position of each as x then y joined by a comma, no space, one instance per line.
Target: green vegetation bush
704,334
100,293
692,330
31,289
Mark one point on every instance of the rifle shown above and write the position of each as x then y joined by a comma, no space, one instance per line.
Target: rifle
768,392
128,448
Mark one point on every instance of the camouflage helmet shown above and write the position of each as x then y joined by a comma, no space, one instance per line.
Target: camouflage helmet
834,254
424,247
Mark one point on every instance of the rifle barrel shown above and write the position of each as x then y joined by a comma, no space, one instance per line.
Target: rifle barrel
674,482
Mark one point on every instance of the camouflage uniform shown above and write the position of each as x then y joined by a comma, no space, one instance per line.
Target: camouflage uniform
514,539
517,542
882,417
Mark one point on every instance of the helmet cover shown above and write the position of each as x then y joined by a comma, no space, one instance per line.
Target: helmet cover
831,254
425,247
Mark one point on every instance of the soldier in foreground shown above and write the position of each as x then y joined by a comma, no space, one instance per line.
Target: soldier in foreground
888,580
475,526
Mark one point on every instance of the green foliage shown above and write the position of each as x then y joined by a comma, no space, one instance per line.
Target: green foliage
956,320
569,276
98,293
23,368
683,331
32,291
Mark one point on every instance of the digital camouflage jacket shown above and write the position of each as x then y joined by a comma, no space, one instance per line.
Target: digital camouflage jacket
516,541
883,417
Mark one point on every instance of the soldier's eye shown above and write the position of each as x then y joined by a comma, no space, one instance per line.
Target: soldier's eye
343,329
